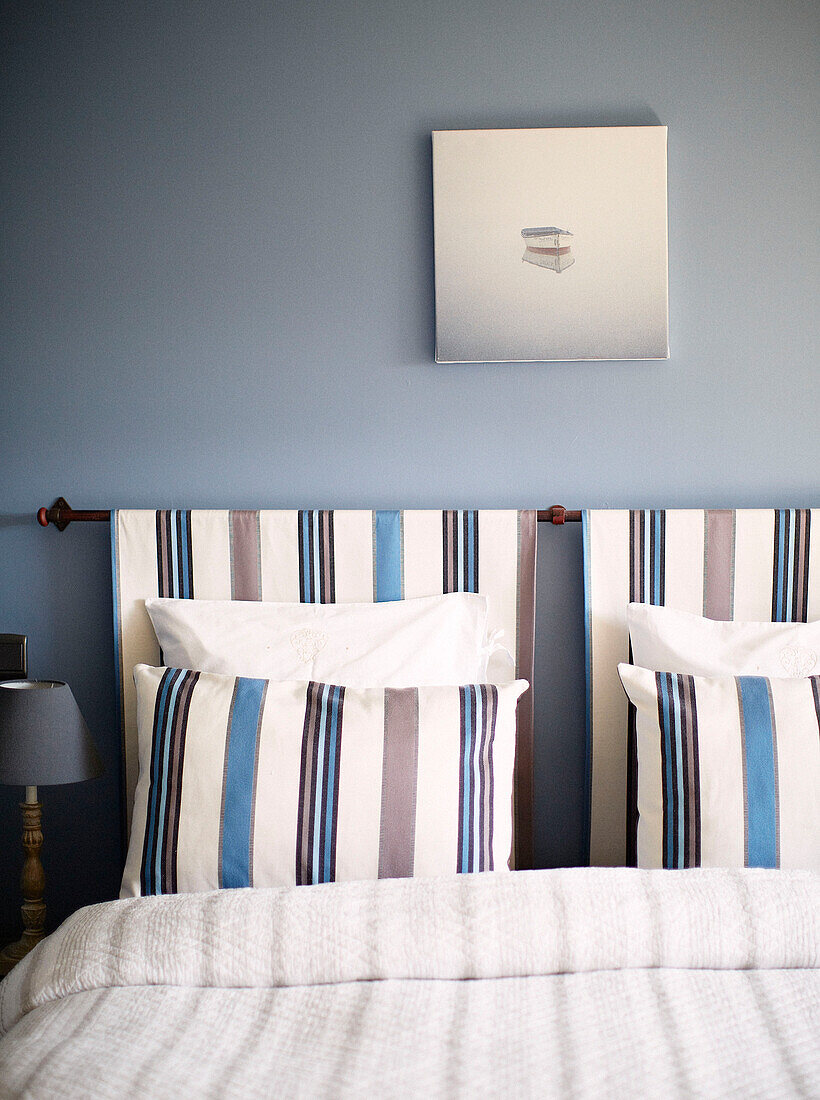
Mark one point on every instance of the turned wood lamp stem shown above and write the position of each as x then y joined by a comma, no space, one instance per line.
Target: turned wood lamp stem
42,737
32,883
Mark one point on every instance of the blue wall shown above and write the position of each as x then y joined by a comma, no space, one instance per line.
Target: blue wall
218,291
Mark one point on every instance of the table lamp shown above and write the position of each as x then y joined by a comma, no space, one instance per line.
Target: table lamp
43,741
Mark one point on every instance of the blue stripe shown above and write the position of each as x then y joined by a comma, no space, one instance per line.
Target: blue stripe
305,559
167,680
317,569
186,579
477,773
320,765
761,812
780,553
465,809
166,751
667,743
588,699
239,775
679,769
388,556
656,564
331,779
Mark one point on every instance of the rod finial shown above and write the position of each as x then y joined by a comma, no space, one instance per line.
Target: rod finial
56,514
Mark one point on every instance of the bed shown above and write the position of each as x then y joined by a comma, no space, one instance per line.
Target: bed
587,981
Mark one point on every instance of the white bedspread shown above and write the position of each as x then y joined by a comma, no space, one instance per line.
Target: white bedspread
595,982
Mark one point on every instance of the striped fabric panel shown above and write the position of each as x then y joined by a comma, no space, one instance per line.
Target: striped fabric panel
720,563
479,707
324,556
319,784
175,560
460,550
246,555
677,714
647,584
239,782
397,832
388,556
317,580
790,581
760,789
158,872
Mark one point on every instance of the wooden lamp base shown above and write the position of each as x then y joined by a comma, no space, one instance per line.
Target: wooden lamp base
32,882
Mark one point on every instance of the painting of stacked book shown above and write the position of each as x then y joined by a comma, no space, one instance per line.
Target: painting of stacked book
589,206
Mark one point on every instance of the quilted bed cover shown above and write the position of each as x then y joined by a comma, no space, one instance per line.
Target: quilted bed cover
582,982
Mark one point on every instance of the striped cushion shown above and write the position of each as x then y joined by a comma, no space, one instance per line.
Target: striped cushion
728,769
247,782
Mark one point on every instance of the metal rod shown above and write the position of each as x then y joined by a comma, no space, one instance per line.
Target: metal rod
61,514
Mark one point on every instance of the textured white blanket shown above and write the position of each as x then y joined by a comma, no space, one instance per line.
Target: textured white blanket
597,981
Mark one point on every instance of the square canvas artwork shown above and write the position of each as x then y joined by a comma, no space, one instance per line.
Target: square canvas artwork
550,244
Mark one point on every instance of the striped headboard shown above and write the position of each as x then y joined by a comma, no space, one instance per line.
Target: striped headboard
749,564
315,556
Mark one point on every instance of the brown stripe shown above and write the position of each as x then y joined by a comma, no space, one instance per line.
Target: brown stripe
397,834
246,578
798,610
326,528
634,559
801,586
692,779
719,563
527,553
163,524
175,762
306,785
775,568
449,572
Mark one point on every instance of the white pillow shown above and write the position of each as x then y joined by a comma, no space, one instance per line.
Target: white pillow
431,640
675,641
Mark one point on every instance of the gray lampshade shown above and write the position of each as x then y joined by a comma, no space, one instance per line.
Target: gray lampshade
43,738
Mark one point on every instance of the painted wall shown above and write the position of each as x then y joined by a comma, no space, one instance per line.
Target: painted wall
218,291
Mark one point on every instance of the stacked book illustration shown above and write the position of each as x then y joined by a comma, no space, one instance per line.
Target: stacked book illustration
548,246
